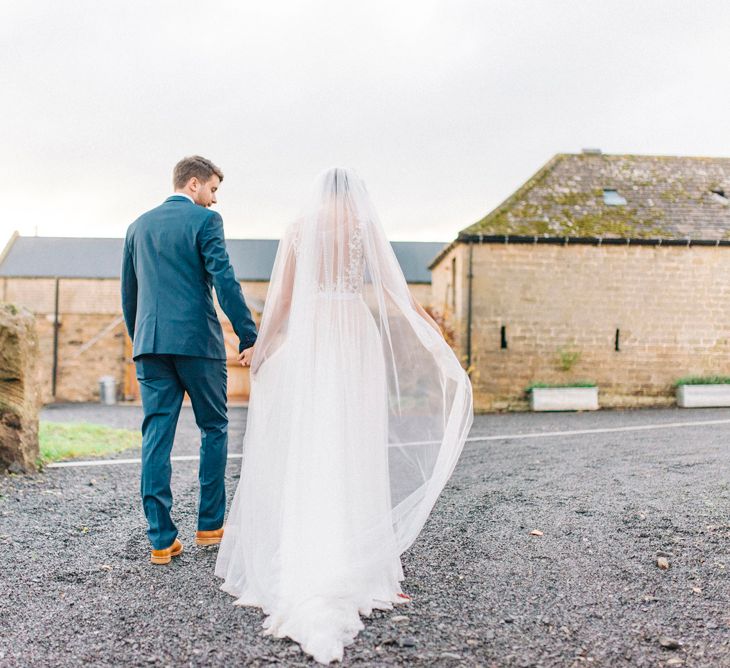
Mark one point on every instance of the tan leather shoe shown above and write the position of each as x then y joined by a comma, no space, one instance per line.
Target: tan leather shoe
165,556
209,537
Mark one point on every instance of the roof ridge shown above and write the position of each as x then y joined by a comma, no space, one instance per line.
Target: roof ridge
658,156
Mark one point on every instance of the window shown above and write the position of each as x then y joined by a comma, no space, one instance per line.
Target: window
612,198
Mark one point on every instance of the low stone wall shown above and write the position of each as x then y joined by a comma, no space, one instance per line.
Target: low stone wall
19,395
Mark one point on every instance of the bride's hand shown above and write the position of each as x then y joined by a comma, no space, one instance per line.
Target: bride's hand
245,357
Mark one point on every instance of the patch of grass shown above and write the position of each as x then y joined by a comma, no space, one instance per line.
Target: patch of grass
703,380
575,383
68,441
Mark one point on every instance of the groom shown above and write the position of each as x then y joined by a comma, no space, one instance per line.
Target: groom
173,255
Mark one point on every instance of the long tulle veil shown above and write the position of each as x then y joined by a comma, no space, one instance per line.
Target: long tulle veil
339,245
359,411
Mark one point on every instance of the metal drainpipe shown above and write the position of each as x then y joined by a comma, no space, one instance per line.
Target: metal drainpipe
55,342
469,278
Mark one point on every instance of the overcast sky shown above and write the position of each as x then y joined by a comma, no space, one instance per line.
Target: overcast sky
444,107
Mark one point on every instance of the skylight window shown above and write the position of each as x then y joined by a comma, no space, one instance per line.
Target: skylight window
719,195
612,198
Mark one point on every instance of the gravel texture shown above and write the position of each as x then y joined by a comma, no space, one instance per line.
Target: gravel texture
76,586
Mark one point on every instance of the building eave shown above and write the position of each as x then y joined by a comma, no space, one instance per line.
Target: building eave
591,241
572,241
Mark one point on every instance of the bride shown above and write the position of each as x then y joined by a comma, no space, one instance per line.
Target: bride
359,411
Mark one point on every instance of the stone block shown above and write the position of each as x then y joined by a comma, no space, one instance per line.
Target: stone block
19,390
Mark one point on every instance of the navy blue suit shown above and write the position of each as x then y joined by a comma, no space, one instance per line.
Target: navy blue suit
173,256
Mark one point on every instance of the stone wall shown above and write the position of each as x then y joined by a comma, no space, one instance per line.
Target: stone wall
76,295
91,335
449,293
421,293
561,307
90,346
92,339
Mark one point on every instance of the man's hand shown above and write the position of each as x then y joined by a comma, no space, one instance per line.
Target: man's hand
245,357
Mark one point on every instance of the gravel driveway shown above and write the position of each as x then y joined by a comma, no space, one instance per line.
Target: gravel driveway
76,586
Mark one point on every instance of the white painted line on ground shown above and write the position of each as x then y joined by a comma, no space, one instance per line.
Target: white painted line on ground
599,430
471,439
109,462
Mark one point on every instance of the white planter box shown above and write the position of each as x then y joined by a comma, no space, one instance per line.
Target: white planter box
703,396
564,399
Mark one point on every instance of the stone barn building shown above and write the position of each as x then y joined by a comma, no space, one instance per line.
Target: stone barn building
606,268
72,286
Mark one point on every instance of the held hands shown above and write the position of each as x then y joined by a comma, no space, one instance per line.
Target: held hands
245,357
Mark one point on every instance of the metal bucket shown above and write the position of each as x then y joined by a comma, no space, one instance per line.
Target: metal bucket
108,390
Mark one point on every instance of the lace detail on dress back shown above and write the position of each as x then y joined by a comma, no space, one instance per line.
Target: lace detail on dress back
342,262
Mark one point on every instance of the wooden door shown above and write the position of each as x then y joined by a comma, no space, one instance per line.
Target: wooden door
131,386
239,386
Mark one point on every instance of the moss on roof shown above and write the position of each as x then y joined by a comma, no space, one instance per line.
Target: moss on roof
666,198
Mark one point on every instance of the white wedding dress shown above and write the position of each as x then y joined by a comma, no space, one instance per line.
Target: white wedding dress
358,413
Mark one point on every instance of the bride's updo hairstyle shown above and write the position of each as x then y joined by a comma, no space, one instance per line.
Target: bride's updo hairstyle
340,182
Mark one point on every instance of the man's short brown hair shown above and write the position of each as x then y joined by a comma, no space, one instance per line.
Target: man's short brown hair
194,166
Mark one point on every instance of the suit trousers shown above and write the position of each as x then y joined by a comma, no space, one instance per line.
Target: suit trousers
163,381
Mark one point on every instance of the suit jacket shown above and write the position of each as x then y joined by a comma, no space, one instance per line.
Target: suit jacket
172,257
